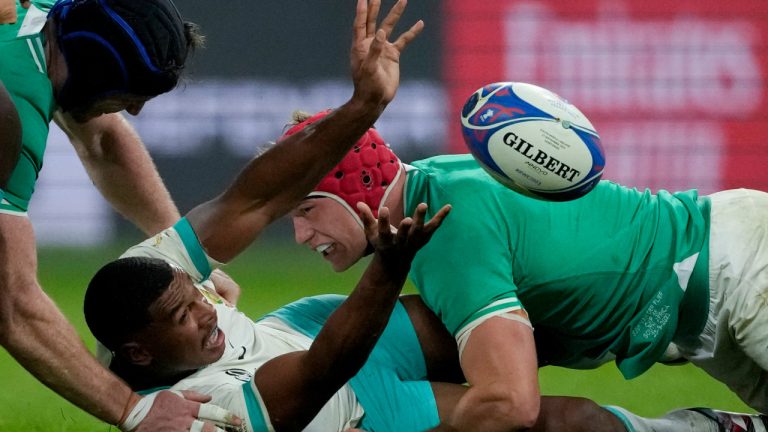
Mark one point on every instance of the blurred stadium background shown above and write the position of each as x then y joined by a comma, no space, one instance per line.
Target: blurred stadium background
677,91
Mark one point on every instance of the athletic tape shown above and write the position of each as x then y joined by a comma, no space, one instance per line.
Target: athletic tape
197,426
214,413
140,411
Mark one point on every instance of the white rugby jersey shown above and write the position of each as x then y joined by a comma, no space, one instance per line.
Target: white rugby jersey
249,344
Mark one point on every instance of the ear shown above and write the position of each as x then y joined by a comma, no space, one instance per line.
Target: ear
135,353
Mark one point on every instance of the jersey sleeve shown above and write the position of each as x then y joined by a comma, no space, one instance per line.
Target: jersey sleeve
180,247
464,272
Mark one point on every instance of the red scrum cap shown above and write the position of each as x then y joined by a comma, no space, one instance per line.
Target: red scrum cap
365,174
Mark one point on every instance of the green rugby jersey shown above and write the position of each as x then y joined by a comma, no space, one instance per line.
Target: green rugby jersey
24,74
617,271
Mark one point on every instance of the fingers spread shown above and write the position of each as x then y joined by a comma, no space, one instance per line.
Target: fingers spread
438,218
373,13
366,215
419,214
377,45
384,229
389,22
359,25
408,36
404,231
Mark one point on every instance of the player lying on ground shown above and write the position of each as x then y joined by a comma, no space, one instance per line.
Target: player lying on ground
616,274
90,57
283,370
297,367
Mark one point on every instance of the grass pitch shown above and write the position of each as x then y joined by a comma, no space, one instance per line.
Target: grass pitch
274,274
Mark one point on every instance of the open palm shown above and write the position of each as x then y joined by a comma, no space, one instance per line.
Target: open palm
374,60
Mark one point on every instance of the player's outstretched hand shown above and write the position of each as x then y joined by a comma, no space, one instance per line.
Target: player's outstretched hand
375,61
399,246
173,411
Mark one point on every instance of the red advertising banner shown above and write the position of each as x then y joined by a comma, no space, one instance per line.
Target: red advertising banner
676,90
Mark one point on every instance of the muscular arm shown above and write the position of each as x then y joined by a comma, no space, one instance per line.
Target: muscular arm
504,391
295,386
272,184
122,170
10,137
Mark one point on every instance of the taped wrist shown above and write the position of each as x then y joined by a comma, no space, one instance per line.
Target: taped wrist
140,411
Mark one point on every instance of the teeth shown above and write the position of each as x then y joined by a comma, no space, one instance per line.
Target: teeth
324,248
212,338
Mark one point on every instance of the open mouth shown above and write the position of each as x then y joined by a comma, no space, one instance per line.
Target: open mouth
215,337
325,248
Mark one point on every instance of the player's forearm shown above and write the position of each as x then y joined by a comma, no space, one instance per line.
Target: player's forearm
354,328
134,189
38,336
283,175
123,171
10,137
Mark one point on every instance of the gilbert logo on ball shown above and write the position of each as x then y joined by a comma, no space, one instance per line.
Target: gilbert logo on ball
532,141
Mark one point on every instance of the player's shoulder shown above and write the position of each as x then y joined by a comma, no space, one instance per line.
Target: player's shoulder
180,247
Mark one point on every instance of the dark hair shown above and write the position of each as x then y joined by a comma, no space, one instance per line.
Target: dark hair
118,298
113,47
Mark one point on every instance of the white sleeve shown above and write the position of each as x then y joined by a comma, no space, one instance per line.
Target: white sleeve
179,247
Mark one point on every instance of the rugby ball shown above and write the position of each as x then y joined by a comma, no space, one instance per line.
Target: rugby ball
532,141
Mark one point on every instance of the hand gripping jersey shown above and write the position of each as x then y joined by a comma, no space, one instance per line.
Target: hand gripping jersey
24,74
391,385
617,272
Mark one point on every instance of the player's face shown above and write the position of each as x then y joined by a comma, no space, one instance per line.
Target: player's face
130,103
327,227
184,333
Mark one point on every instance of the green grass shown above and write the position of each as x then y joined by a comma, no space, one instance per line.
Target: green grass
274,274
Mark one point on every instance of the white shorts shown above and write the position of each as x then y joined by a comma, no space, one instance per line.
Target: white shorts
733,348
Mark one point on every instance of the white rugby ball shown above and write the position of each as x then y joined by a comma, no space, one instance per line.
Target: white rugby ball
532,141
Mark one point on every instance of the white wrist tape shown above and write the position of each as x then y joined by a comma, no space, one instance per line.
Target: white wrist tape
140,411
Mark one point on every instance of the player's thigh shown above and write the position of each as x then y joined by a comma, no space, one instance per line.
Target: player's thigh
734,339
729,364
392,404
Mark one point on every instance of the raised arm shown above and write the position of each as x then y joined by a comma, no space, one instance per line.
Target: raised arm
121,168
272,184
10,138
295,386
